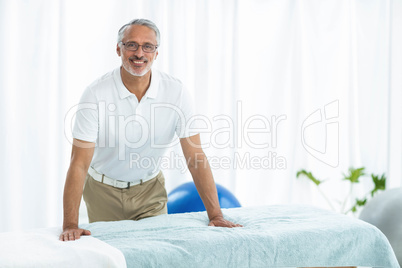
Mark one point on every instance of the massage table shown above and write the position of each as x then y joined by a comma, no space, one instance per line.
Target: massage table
272,236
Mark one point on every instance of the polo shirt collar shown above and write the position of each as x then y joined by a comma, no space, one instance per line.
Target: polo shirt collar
152,91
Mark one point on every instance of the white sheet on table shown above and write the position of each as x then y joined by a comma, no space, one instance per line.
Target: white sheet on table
42,248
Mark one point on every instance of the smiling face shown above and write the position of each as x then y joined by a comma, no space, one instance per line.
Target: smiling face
137,63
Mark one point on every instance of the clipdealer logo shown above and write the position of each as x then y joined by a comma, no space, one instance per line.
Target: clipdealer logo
257,132
328,151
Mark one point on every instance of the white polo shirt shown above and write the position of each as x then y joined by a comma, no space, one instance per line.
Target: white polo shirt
131,138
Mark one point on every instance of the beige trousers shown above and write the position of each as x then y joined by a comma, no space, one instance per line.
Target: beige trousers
107,203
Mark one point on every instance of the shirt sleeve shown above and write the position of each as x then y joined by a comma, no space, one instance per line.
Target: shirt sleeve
86,125
187,124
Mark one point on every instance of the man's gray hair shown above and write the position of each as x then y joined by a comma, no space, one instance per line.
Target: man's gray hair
143,22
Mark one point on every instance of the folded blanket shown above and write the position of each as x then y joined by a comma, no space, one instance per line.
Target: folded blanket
272,236
41,248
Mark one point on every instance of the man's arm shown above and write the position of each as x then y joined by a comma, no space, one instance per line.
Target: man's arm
200,170
81,157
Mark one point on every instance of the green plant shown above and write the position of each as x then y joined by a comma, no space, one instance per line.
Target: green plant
353,177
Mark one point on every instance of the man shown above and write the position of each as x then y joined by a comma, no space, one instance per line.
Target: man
102,153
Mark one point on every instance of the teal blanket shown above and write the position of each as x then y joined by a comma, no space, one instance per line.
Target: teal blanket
272,236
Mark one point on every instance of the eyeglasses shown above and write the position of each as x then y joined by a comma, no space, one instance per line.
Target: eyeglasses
133,46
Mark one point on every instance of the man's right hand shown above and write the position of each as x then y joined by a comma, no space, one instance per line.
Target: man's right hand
81,157
71,234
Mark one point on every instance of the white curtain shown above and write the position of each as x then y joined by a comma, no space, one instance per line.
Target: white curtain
285,85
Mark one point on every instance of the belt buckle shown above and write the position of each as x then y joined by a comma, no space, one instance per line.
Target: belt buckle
117,184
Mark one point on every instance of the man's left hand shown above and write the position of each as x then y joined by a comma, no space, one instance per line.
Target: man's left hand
219,221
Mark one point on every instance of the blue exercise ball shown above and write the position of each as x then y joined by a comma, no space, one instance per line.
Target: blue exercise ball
185,198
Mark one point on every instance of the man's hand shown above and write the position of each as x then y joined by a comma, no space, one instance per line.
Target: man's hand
71,234
81,156
202,175
219,221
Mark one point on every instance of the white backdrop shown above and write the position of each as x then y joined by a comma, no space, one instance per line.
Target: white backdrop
263,64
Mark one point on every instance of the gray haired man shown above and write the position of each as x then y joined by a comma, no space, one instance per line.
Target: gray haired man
114,189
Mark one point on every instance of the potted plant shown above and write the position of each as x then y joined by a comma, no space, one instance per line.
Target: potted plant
354,176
